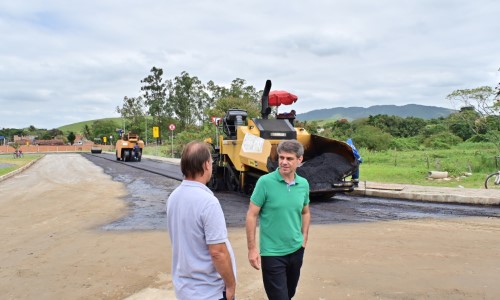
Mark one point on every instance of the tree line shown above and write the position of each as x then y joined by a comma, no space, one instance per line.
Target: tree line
189,104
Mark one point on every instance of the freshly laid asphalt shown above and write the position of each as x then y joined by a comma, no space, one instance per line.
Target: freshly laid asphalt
416,192
393,191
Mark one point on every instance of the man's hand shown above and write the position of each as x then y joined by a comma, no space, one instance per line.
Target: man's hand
254,258
230,293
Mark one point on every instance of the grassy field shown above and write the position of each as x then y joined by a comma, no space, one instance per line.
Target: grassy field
8,163
412,167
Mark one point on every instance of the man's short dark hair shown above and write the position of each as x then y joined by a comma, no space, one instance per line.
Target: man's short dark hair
291,146
194,155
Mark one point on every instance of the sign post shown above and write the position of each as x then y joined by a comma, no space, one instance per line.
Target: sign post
156,134
172,128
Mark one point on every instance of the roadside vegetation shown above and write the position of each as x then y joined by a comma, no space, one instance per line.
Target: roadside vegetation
467,164
8,163
394,149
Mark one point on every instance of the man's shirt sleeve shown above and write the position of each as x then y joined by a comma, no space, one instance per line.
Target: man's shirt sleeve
214,224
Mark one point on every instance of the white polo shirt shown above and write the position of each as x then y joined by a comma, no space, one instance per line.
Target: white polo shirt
195,220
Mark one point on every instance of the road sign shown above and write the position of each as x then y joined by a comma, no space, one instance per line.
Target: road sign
156,132
171,127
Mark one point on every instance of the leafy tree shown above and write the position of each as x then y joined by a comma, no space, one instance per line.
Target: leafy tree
9,133
46,135
389,124
226,103
237,96
372,138
340,129
411,126
189,100
484,101
15,145
87,132
238,89
155,98
71,137
133,111
104,128
199,133
62,138
311,127
442,140
54,132
463,123
431,129
397,126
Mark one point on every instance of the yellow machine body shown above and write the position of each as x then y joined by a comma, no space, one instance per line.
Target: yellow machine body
125,147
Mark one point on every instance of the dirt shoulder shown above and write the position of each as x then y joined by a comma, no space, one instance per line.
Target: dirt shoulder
54,248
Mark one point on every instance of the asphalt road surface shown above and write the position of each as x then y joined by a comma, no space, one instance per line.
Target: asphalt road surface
148,191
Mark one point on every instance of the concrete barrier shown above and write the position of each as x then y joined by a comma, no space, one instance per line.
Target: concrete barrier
438,175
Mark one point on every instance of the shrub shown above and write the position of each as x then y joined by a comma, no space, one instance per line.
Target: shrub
443,140
411,143
372,138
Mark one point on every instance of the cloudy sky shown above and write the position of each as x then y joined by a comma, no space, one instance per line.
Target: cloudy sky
63,62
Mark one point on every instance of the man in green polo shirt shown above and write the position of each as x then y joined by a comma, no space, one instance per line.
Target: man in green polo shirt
280,201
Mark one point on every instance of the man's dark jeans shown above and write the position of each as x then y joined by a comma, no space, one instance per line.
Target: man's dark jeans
281,274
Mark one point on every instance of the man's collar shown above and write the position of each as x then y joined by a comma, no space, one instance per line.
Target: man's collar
280,178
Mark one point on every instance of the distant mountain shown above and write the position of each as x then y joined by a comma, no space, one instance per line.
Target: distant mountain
353,113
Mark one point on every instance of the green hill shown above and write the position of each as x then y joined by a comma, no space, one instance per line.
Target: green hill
336,113
353,113
77,128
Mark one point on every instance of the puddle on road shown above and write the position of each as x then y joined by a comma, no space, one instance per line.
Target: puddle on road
146,203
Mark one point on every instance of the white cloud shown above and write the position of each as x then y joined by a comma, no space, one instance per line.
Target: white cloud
63,62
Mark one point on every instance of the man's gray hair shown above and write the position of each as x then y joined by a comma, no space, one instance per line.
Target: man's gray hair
291,146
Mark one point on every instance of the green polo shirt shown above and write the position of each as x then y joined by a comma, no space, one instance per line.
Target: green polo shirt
280,214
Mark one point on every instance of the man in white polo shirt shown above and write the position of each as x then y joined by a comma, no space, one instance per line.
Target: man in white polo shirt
203,265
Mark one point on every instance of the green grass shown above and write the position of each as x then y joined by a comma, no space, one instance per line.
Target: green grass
161,150
412,167
16,162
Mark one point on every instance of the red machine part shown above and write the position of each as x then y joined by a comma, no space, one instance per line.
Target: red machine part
276,98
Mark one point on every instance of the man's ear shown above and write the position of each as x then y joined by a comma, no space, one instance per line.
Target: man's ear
300,159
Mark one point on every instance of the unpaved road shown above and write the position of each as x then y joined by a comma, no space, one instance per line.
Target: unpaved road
67,233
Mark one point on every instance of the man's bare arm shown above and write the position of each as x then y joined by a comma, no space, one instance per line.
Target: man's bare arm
224,266
251,227
306,221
